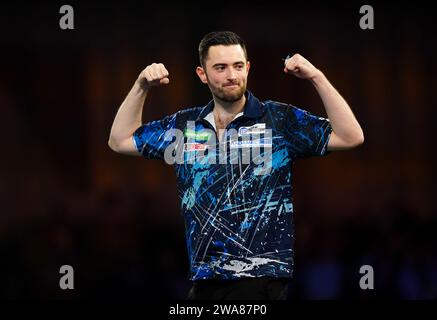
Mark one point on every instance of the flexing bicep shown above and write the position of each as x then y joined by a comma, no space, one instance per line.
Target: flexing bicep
126,146
335,143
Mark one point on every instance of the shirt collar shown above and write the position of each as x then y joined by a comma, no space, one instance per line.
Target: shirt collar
252,108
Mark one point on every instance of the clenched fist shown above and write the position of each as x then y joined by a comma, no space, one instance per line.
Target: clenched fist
300,67
154,75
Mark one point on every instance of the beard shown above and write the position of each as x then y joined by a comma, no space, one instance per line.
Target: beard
229,94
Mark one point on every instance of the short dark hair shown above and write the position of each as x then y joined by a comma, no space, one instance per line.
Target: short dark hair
225,38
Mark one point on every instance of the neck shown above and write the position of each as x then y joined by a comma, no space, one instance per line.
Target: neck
225,109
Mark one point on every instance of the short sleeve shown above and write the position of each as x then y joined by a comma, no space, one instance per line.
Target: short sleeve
306,134
149,139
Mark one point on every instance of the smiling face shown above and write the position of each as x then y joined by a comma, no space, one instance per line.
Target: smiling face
225,71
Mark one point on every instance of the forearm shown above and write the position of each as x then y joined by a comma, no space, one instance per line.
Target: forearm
129,115
340,115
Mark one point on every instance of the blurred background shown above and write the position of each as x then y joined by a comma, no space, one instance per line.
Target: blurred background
67,199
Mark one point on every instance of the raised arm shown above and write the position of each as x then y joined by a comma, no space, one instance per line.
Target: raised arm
128,117
346,131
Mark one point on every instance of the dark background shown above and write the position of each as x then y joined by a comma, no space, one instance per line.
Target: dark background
67,199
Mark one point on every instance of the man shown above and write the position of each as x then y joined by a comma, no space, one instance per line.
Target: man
238,210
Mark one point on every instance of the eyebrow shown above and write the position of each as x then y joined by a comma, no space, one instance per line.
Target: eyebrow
225,64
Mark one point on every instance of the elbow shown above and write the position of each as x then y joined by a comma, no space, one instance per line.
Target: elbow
361,139
113,145
353,140
358,140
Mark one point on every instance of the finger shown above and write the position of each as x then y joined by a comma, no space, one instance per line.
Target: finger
153,71
285,61
162,71
296,57
165,71
147,75
291,65
294,70
158,70
164,81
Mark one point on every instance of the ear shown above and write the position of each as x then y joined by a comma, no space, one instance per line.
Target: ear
202,74
247,67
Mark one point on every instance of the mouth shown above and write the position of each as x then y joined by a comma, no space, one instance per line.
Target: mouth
231,85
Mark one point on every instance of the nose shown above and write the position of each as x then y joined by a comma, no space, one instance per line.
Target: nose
231,74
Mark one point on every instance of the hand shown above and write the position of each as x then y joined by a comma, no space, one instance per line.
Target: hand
154,75
300,67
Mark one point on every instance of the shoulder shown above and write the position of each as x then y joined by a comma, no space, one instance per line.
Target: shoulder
179,117
285,109
271,105
281,106
280,110
188,113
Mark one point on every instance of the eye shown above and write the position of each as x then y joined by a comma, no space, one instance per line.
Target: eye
220,68
239,66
